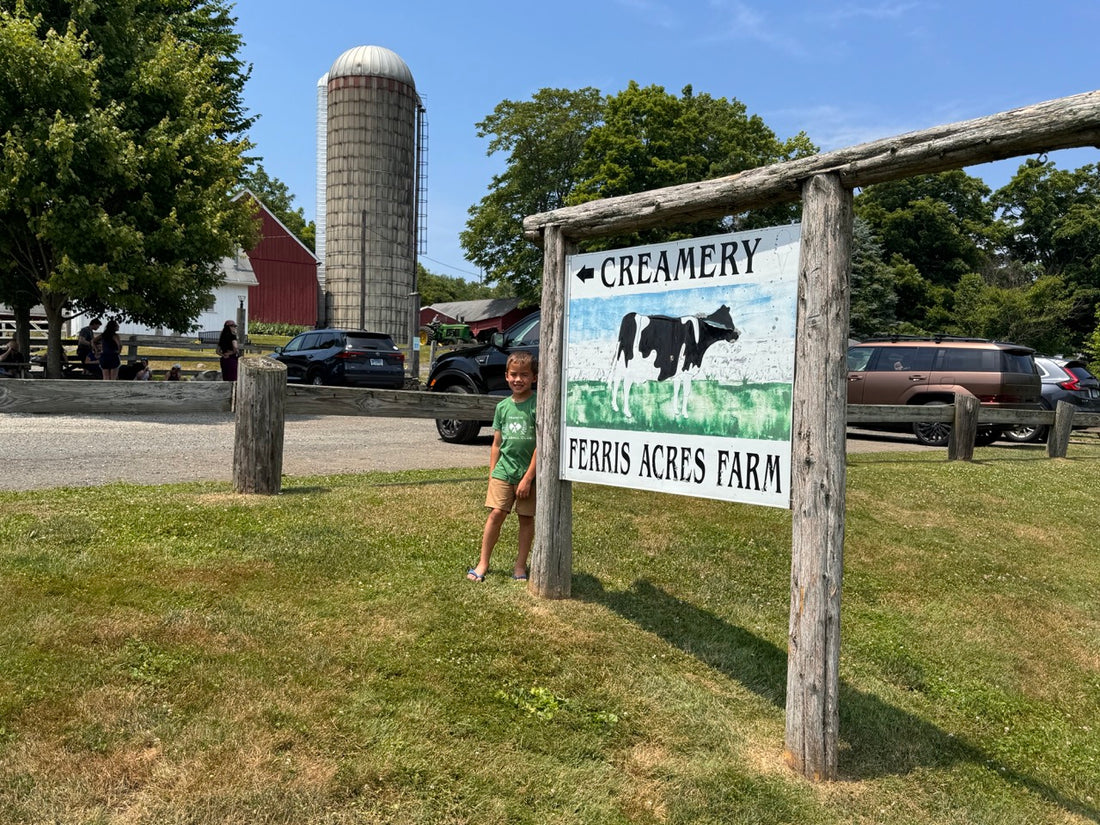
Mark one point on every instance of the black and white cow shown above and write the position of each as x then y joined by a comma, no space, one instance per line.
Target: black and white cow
662,347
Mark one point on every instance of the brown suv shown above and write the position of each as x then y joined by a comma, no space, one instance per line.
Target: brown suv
902,370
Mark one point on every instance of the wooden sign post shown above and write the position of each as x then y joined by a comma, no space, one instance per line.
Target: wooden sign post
825,182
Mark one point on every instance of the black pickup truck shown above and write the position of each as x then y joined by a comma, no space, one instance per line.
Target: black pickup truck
480,369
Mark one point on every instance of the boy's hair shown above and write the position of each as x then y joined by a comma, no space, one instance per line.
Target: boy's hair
523,358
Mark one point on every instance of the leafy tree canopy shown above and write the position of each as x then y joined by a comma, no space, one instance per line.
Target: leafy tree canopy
277,197
440,289
544,138
650,139
566,147
116,163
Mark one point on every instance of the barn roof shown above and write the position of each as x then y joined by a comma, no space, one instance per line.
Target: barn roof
275,218
470,311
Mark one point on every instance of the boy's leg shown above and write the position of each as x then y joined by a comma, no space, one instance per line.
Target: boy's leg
526,539
489,538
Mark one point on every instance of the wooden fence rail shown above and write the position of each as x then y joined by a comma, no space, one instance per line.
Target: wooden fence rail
66,397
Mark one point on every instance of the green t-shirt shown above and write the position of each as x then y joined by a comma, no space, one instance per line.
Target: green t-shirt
516,423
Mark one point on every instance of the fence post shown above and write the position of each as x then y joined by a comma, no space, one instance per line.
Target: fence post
260,405
1058,438
964,429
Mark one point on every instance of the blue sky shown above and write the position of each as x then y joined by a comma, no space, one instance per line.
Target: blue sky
844,73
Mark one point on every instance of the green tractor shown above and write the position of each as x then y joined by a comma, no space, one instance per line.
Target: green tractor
439,333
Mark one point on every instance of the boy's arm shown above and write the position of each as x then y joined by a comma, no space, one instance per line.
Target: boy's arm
523,489
494,452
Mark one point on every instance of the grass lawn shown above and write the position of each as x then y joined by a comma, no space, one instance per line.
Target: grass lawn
183,654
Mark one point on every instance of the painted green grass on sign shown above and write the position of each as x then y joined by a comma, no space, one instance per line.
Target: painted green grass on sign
743,410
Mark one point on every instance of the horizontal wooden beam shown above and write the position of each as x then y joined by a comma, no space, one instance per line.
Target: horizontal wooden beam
63,396
1063,123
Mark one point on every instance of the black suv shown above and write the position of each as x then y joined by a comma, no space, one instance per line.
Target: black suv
480,370
351,357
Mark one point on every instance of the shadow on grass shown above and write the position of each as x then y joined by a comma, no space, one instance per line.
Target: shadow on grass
877,738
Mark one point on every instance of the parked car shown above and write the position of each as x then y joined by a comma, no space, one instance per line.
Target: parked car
1063,380
911,370
480,370
344,357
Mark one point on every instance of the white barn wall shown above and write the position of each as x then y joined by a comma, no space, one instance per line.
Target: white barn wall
239,278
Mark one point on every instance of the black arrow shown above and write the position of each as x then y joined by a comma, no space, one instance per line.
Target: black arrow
586,273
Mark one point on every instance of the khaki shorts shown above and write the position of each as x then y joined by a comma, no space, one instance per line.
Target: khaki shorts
502,496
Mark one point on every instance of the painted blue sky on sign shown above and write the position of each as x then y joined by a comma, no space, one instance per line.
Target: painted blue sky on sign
759,310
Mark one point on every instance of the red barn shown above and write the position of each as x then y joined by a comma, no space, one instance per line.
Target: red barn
286,271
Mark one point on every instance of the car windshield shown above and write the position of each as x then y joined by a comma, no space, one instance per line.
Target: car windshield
295,345
526,333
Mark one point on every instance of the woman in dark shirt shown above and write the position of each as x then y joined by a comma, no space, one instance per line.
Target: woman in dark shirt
110,347
228,351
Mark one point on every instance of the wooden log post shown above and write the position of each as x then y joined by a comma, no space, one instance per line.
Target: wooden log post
818,478
964,429
1058,438
260,405
552,556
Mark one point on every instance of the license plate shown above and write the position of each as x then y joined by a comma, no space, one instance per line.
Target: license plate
377,362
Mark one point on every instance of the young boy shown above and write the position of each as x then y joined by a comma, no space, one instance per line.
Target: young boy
512,467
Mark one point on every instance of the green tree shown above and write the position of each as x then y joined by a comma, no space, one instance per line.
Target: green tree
650,139
942,224
1052,220
277,197
440,289
544,138
568,147
874,297
117,165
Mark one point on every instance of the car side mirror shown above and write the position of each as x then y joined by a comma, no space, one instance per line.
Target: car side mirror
497,340
278,350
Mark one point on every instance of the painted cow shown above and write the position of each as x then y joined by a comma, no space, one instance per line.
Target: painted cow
662,347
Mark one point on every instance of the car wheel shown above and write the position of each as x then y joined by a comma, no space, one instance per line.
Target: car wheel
454,431
932,433
1025,435
316,379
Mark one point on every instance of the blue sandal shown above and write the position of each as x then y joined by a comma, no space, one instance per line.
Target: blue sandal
474,576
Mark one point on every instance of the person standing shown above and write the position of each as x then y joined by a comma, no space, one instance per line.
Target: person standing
229,351
110,349
85,349
512,467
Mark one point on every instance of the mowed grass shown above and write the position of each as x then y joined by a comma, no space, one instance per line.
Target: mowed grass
183,654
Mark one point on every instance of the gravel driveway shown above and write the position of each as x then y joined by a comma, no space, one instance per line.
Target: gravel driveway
39,451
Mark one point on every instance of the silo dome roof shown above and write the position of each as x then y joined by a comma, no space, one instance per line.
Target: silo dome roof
372,61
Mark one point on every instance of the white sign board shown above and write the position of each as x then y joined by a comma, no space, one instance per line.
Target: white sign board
679,366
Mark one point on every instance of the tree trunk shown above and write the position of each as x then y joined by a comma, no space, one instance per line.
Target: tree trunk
55,353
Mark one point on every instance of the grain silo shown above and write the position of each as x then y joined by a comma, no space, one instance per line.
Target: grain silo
374,119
